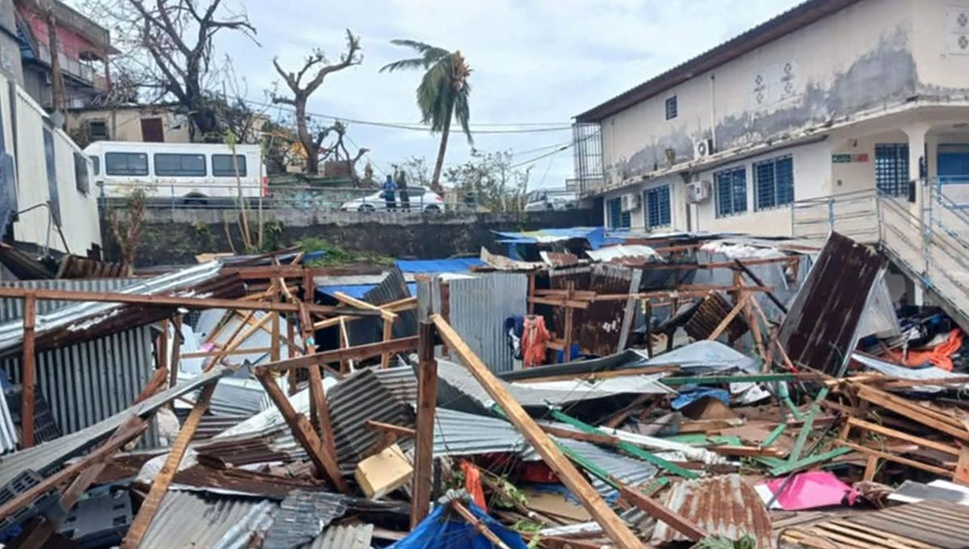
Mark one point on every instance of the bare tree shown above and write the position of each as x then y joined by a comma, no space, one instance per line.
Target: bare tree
169,46
339,149
301,92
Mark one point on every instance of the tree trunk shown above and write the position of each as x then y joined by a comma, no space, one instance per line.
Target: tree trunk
439,165
305,139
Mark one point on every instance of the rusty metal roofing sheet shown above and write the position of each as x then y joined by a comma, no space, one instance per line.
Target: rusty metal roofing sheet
725,505
345,536
712,311
187,519
820,331
598,329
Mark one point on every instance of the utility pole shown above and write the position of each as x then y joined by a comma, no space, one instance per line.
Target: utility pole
56,76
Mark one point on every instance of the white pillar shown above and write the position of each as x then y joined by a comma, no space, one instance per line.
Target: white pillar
916,156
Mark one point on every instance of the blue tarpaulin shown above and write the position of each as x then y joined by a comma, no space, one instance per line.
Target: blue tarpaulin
445,529
434,266
596,236
689,397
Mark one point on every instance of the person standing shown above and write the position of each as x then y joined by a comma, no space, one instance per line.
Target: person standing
389,189
402,187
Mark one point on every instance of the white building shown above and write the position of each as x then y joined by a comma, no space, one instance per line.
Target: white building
831,97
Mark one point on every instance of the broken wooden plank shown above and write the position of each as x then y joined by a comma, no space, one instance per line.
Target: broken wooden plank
302,430
359,352
426,409
615,528
655,509
398,430
479,526
29,364
159,487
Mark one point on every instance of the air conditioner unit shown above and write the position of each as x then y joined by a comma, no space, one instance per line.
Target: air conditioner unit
630,202
702,148
698,192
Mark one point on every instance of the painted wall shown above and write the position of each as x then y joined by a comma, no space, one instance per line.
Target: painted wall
125,124
79,211
859,59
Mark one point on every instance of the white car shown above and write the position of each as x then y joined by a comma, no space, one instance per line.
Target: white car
420,199
542,200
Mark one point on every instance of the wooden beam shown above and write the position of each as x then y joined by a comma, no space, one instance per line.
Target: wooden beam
398,430
159,487
158,381
360,352
325,463
125,433
275,351
363,305
608,374
237,340
614,527
29,364
161,355
481,527
654,509
199,303
748,451
426,408
737,309
595,438
388,336
226,354
176,351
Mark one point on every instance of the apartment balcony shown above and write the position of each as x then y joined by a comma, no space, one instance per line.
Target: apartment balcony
76,69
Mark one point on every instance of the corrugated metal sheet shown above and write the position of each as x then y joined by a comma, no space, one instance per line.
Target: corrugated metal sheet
478,309
370,330
727,506
188,519
302,517
461,434
8,431
820,330
625,469
599,328
712,311
88,382
46,457
345,536
626,359
352,402
13,309
85,315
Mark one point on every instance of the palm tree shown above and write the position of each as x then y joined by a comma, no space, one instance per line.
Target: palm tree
442,94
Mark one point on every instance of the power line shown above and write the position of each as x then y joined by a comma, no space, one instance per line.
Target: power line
417,127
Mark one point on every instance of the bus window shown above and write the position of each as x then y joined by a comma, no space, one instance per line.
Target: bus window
96,163
180,165
117,163
222,165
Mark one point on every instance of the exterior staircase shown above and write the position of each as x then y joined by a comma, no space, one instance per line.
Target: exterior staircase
927,240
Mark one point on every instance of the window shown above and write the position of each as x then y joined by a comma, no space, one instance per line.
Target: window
180,165
773,182
658,207
222,165
731,191
82,180
891,168
616,218
98,130
96,164
671,108
125,163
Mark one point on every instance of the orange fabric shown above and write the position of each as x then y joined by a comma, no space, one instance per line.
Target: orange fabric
534,338
940,356
472,483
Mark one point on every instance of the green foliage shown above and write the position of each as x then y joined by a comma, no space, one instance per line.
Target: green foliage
493,179
508,494
335,255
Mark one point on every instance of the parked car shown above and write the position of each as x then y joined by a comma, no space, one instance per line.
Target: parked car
550,200
421,199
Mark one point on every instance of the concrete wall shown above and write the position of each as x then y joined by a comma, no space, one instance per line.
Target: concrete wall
10,64
175,236
125,124
860,58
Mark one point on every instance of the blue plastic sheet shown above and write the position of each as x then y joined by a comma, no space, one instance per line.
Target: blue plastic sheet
689,397
445,529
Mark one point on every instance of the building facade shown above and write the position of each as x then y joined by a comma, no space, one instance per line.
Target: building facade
831,97
138,123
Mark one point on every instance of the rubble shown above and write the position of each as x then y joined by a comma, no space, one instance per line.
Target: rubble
694,391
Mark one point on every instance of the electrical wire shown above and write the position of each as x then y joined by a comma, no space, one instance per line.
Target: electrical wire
422,128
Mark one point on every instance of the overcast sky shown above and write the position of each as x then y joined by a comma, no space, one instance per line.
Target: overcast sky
534,61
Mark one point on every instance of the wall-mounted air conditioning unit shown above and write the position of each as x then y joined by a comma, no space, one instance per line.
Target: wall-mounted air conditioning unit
702,148
630,202
698,192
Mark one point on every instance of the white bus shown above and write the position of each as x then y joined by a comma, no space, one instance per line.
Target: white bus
185,173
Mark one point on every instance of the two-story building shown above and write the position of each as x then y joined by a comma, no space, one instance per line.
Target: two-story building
831,97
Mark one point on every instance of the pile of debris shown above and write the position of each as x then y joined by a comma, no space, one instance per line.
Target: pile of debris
728,394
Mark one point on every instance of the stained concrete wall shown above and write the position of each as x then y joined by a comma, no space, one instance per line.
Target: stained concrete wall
174,237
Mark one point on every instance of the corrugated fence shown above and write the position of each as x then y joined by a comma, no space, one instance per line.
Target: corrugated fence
479,307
